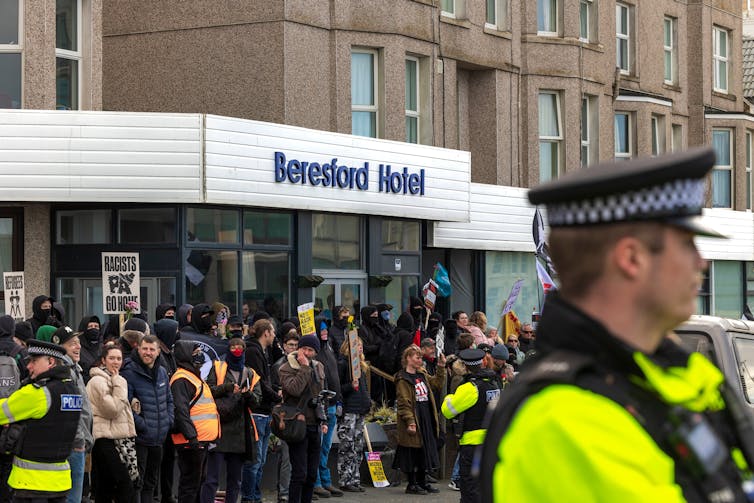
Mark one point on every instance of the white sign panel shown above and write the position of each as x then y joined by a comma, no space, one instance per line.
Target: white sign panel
120,282
13,284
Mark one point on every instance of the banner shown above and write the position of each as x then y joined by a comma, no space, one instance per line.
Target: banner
15,306
120,282
430,294
547,283
442,280
306,318
515,290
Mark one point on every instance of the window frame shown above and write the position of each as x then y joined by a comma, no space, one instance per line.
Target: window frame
624,156
676,143
414,114
724,167
623,37
671,50
589,5
719,58
749,138
18,48
76,56
556,15
590,116
657,128
16,214
447,13
375,108
559,139
500,15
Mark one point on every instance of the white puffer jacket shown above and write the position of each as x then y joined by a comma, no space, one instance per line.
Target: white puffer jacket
112,412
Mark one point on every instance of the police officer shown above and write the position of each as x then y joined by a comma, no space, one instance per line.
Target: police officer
480,387
47,407
612,409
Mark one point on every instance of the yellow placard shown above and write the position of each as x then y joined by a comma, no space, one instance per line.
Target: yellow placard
374,462
306,318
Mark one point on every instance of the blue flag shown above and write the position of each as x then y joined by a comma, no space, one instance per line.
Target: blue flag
443,281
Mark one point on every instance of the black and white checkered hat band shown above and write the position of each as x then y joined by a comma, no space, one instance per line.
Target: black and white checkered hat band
474,363
676,198
38,351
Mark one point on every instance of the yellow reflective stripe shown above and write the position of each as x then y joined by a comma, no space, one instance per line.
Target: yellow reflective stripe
202,417
204,400
739,459
463,399
34,476
473,437
449,404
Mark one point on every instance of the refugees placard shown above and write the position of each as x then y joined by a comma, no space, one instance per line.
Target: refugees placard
306,318
15,306
120,282
353,346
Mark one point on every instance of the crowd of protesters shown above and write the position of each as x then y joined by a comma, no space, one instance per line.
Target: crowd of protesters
195,388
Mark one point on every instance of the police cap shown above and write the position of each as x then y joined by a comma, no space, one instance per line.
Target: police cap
43,348
472,357
668,189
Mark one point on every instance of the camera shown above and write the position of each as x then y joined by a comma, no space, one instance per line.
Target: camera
320,403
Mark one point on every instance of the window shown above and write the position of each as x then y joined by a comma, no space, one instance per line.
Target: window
264,278
267,228
497,14
658,134
448,8
400,235
622,38
11,245
721,174
728,289
83,227
745,351
589,136
720,59
412,100
550,135
669,49
623,136
207,225
502,269
147,225
547,17
748,169
11,12
67,53
364,93
677,137
587,23
336,241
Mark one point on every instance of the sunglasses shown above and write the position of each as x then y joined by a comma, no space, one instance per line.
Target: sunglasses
512,340
527,331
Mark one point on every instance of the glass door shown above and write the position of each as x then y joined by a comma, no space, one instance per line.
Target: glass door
349,292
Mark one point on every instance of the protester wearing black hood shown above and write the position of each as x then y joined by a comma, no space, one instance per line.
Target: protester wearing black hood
191,443
339,327
183,316
91,344
404,332
167,332
451,336
9,346
434,322
200,331
44,313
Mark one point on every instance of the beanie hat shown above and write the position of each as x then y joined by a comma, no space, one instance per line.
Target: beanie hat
7,326
44,333
500,352
138,325
309,341
23,331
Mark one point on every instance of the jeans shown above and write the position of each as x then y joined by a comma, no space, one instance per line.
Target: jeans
215,460
252,472
149,459
304,465
323,474
456,475
77,460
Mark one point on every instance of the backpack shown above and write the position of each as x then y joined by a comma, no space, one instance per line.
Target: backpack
10,375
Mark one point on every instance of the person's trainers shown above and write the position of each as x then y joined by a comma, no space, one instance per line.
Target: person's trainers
334,491
321,492
351,489
414,489
430,489
430,479
453,485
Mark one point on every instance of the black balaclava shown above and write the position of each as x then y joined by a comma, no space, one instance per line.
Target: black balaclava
405,321
40,314
366,316
337,321
162,309
92,335
167,331
202,324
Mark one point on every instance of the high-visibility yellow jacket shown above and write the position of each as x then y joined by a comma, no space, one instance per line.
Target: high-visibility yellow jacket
203,413
472,399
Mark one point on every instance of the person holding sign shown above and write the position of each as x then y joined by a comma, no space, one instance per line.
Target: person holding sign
418,426
356,405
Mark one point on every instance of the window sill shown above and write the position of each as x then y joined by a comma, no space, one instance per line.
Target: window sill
672,87
462,23
498,33
725,96
558,40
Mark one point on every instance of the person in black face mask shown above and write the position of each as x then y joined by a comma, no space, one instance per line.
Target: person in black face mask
235,327
339,327
200,331
91,343
166,310
44,314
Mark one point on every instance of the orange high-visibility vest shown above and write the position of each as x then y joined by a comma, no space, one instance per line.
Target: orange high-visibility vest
203,412
221,368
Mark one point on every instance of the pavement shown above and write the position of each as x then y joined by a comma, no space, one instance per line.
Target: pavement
387,495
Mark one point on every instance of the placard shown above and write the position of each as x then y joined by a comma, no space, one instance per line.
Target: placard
306,318
120,282
13,284
374,462
353,346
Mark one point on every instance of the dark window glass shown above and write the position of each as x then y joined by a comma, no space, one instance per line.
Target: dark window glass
9,22
67,84
66,29
211,276
10,80
206,225
400,235
336,241
265,277
148,225
265,228
82,227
